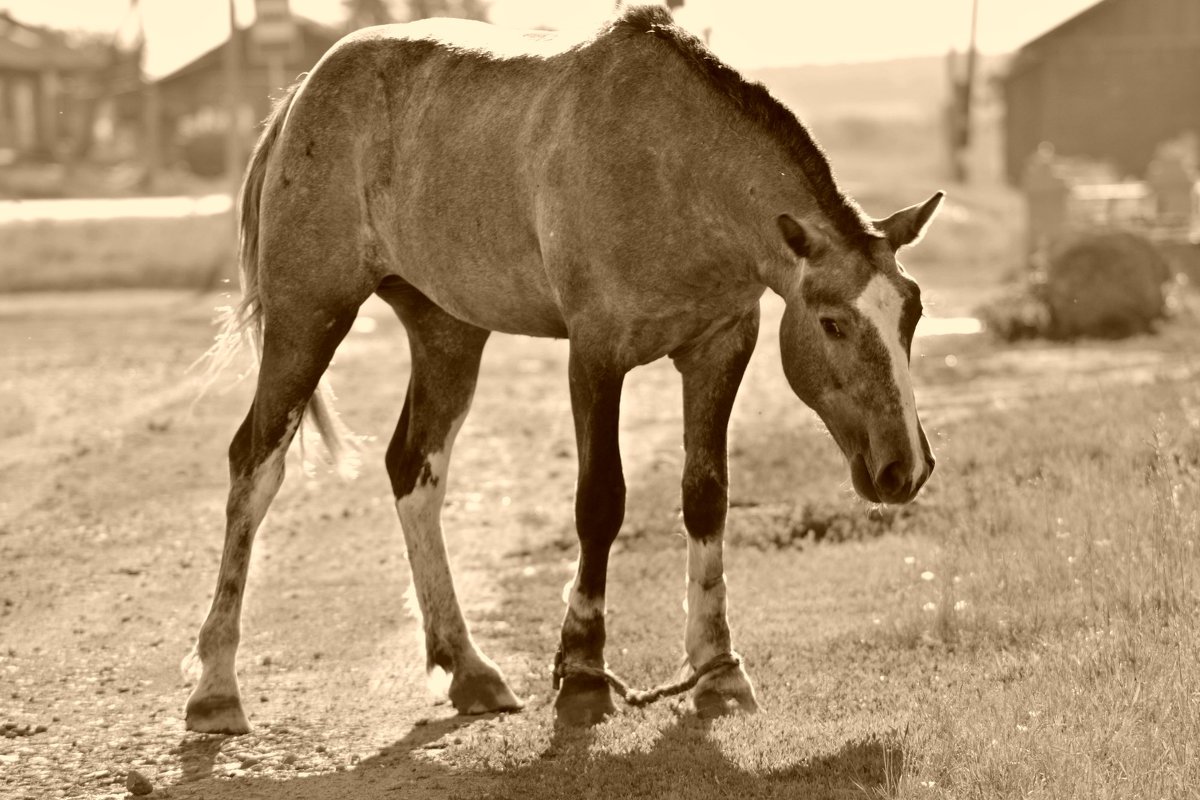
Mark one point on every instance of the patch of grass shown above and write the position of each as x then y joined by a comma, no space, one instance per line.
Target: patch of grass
1063,590
182,253
790,526
1104,713
1029,630
1080,512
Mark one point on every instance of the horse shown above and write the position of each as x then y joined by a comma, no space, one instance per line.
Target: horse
625,190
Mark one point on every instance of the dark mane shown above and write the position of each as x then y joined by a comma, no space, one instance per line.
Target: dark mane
757,103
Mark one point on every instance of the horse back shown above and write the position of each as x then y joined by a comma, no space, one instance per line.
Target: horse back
516,180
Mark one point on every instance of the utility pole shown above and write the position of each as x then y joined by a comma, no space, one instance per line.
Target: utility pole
232,64
969,91
151,117
274,40
233,102
277,70
962,90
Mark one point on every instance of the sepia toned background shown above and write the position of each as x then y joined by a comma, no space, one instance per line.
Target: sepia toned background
1027,627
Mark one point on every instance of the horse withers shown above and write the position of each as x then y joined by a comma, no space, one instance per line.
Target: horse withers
627,191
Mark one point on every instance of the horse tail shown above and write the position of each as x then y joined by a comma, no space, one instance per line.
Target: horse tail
246,323
243,324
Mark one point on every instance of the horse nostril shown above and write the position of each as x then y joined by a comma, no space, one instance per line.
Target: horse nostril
891,480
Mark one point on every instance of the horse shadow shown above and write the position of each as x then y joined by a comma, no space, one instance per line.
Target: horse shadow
685,760
197,756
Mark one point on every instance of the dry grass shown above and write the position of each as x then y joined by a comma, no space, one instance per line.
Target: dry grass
1063,588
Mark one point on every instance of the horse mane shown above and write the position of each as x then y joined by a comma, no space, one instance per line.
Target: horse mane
756,103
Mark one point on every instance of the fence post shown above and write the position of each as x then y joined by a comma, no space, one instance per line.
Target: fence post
1046,196
1172,179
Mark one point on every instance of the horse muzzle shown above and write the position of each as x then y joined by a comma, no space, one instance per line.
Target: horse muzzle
895,481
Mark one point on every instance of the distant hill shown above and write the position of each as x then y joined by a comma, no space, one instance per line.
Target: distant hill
911,89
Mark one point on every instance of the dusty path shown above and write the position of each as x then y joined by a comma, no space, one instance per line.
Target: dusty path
111,496
110,526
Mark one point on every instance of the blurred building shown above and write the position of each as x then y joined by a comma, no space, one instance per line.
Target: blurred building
1111,84
39,75
192,102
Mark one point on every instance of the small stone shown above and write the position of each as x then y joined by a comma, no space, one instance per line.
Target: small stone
289,758
320,748
40,729
264,661
137,783
249,761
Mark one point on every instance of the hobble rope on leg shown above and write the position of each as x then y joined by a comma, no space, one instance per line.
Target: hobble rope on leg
637,699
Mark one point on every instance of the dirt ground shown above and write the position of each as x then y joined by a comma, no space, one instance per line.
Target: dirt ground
112,487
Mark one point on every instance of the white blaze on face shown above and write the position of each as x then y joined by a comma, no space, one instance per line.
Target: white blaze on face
881,303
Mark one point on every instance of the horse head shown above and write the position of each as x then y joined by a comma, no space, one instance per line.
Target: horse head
846,341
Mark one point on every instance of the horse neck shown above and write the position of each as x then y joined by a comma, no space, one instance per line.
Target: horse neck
722,171
780,187
744,181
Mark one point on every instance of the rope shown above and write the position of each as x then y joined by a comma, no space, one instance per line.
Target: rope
637,699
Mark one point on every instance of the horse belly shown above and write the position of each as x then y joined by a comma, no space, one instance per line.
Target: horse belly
507,297
461,233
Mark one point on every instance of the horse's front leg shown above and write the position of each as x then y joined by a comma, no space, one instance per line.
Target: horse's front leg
711,375
583,698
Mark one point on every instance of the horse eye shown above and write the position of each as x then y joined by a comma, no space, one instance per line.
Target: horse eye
831,328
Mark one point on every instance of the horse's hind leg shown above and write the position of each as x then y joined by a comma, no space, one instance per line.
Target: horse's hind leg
297,348
445,364
711,375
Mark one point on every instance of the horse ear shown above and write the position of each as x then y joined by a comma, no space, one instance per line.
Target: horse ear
804,238
908,225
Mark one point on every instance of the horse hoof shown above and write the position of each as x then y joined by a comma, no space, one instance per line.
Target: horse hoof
220,714
583,702
482,692
724,692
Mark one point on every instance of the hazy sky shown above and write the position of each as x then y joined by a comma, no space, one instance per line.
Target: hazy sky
747,33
